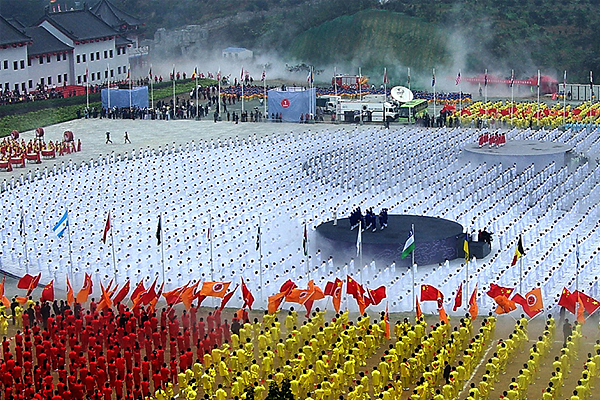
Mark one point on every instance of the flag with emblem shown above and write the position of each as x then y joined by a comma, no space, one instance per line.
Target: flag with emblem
214,289
590,304
334,289
532,303
409,245
86,289
48,292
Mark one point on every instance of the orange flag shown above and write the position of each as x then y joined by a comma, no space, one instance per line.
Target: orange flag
70,296
473,309
419,312
580,309
214,289
275,301
504,305
188,295
48,292
2,296
174,296
443,315
153,302
86,290
138,291
337,294
105,301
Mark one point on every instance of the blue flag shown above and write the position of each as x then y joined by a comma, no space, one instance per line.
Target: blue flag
62,224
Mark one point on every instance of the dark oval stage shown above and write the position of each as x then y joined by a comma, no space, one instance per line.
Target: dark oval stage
436,239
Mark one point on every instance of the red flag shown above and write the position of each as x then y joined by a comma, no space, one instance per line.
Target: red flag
287,286
174,296
377,295
138,291
568,300
122,293
334,289
2,296
354,288
247,296
473,309
106,228
430,293
496,291
150,294
86,290
70,295
589,303
33,284
419,312
214,289
25,281
48,292
155,300
227,297
458,298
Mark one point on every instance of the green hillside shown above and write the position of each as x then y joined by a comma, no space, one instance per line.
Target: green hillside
372,39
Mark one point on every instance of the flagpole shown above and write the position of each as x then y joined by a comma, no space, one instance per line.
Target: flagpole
151,89
538,107
112,242
384,85
512,95
162,247
107,88
212,268
306,255
265,95
242,89
219,89
259,244
485,99
434,95
521,274
87,90
24,241
408,89
459,95
412,268
360,255
577,265
174,104
197,115
335,79
467,276
129,75
70,251
565,98
360,93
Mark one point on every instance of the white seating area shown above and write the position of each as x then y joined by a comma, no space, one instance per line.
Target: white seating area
304,177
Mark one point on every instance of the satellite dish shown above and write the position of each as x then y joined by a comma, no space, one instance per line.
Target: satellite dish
401,94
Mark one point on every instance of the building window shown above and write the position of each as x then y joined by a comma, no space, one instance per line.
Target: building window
65,78
41,60
83,57
112,73
59,79
79,79
23,87
105,54
49,80
105,74
84,78
110,54
78,59
97,55
58,57
15,65
16,87
5,64
119,70
22,62
42,82
48,58
30,84
64,56
124,50
29,62
91,56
